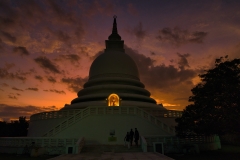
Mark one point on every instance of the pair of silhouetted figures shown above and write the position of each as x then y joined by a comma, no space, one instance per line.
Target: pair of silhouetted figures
129,138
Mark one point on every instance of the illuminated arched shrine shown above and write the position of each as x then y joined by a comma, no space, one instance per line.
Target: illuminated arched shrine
113,100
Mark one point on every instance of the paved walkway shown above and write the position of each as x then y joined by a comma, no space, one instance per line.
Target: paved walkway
113,156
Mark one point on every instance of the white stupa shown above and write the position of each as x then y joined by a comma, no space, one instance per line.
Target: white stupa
111,102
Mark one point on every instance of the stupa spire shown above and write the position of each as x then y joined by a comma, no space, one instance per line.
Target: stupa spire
114,36
114,42
114,29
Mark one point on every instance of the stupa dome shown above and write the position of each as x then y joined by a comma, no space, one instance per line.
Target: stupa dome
113,64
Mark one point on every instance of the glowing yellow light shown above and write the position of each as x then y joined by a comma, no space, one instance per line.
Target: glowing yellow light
113,100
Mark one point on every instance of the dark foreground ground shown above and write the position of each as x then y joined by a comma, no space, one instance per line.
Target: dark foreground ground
227,152
23,157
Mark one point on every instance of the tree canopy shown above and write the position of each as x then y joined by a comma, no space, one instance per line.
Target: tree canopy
15,128
215,107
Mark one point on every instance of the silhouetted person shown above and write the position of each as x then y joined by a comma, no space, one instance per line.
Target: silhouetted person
136,137
126,139
131,136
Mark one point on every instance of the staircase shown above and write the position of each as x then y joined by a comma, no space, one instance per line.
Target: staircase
78,116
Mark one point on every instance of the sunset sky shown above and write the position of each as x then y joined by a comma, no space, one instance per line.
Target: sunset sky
47,47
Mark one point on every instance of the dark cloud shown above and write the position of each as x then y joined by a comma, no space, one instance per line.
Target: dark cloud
7,36
27,16
183,62
197,37
160,76
21,50
4,85
12,97
1,44
74,84
8,22
4,6
79,32
8,111
51,79
5,74
9,65
56,8
32,89
57,91
153,53
60,13
62,36
97,8
32,70
73,58
17,89
178,37
45,63
7,11
40,78
138,31
32,10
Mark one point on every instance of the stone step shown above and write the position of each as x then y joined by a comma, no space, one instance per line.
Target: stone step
110,148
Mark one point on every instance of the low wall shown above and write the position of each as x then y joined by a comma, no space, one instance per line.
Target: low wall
37,125
38,145
33,151
176,145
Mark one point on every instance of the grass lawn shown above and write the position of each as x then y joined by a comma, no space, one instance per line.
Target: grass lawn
228,152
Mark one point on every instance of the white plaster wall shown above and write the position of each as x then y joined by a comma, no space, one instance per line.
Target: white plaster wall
38,128
96,128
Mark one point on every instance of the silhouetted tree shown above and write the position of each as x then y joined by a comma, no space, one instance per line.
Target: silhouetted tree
216,102
15,128
3,129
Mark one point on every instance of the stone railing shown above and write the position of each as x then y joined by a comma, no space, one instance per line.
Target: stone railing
80,144
143,143
175,140
54,114
68,113
172,114
78,116
166,114
36,141
171,142
39,145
